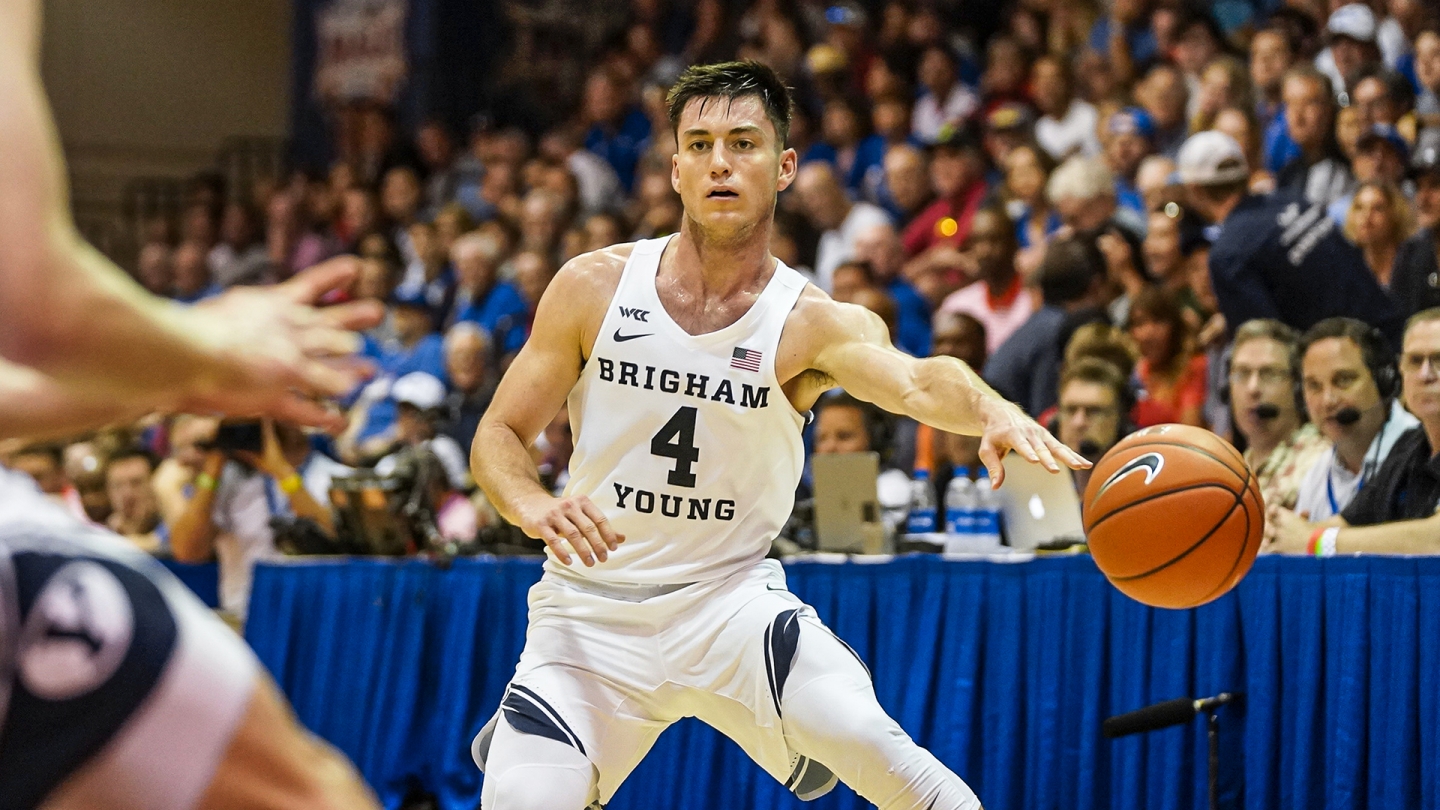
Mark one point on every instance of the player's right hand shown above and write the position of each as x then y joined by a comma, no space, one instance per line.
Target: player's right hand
276,352
567,524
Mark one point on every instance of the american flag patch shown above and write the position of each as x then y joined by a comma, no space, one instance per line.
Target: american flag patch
745,359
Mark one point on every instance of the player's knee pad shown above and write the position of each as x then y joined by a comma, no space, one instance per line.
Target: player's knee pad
538,787
530,772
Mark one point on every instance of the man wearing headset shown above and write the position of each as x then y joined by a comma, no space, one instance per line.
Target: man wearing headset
1094,411
1352,392
1263,390
1396,512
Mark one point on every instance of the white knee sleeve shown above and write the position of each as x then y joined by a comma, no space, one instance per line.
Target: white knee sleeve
529,772
831,715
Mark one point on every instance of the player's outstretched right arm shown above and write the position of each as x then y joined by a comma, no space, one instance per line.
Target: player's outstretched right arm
72,315
566,323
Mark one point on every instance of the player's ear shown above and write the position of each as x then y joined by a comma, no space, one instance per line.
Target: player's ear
675,172
789,164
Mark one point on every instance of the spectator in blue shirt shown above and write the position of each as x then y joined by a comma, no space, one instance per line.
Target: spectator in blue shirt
1129,138
1129,23
890,118
192,274
879,247
616,129
497,306
411,345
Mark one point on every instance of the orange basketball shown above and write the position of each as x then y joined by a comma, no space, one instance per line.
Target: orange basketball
1173,516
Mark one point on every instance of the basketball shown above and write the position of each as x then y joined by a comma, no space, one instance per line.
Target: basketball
1173,516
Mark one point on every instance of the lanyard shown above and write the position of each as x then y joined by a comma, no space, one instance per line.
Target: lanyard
1365,468
1330,488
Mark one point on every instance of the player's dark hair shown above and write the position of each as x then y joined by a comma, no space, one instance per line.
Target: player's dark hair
729,81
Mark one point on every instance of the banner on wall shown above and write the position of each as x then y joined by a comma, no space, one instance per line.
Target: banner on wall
360,52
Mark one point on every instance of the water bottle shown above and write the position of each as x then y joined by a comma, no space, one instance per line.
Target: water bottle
922,505
986,528
960,503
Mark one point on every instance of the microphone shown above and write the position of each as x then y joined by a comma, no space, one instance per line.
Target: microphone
1267,411
1162,715
1347,416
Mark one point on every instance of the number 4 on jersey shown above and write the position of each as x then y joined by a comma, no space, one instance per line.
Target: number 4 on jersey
677,440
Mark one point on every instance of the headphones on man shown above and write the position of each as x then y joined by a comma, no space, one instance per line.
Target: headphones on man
1375,351
1297,384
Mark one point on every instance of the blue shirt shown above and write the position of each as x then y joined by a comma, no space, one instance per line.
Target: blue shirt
621,148
912,315
1026,367
502,312
1140,39
209,292
1022,227
395,361
1279,148
1128,196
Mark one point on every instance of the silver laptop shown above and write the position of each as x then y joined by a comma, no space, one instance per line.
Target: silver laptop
847,511
1041,508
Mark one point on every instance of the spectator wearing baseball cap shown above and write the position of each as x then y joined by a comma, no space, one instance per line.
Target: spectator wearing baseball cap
1352,45
418,398
1129,139
1415,283
1276,256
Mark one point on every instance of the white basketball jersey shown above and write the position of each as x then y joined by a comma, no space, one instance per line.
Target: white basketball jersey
686,442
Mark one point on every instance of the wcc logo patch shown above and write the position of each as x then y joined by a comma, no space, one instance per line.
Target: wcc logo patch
640,315
1151,463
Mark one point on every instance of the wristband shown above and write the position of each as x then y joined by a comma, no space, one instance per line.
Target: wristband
1325,547
205,481
290,484
1313,544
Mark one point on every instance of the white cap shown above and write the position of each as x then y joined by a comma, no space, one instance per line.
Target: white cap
417,388
1355,21
1211,158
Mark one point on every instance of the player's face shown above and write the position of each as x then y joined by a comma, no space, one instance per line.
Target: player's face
729,166
1088,410
841,430
1335,378
1420,370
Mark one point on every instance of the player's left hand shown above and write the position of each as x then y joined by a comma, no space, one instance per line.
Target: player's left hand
1008,428
276,352
1286,532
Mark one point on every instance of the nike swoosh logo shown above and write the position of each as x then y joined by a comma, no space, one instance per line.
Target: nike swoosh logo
619,338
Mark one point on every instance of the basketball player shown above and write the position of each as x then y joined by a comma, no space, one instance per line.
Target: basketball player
118,689
688,364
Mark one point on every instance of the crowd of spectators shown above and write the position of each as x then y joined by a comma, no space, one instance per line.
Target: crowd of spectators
1123,212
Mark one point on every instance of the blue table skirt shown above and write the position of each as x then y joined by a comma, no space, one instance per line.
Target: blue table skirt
1004,671
201,578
